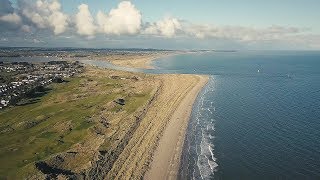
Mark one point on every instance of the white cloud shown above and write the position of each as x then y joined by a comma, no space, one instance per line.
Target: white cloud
166,27
45,14
312,41
11,18
125,19
84,21
239,33
37,41
26,28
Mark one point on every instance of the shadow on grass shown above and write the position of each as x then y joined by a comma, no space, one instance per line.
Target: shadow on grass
34,96
47,169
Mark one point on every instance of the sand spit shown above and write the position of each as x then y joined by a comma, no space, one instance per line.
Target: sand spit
138,60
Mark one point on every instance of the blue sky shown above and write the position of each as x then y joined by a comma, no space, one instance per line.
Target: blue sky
247,24
259,13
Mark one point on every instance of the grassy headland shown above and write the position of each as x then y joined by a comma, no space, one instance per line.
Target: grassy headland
79,116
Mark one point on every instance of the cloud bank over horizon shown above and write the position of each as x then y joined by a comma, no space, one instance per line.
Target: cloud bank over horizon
36,20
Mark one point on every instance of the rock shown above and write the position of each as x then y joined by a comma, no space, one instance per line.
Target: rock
120,101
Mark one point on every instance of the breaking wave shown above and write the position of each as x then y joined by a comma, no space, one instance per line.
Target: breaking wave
198,160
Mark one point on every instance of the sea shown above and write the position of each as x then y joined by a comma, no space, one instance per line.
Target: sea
257,118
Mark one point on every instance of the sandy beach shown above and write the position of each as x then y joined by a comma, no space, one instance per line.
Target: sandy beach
166,160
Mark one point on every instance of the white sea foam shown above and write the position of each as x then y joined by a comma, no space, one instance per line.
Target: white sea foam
211,137
206,161
211,152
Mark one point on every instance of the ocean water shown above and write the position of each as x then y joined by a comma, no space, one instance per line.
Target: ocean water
258,117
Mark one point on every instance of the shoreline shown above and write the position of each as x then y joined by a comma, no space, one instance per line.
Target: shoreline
169,111
163,157
166,158
159,133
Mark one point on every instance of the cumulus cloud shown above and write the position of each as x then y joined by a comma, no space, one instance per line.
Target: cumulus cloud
45,14
11,18
84,21
239,33
125,19
26,28
166,27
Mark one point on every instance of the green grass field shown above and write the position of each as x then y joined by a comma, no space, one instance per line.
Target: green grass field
58,120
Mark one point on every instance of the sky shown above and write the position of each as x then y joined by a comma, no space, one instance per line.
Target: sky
165,24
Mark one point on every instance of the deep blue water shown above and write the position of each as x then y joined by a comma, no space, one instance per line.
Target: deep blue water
258,117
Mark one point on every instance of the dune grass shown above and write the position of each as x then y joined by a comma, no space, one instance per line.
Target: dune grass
58,120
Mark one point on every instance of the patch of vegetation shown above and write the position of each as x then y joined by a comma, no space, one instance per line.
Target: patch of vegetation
136,101
56,119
